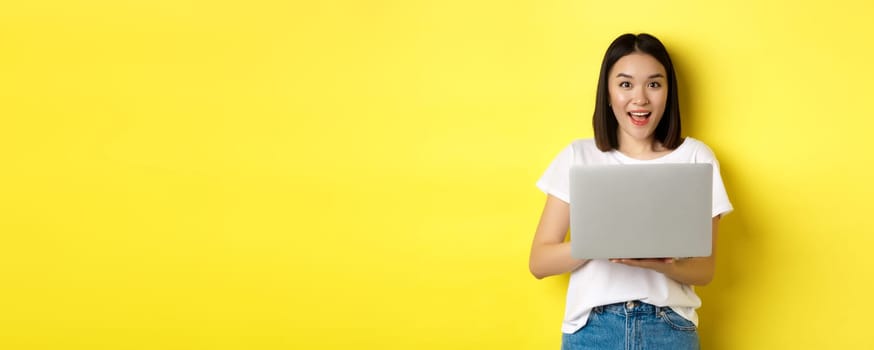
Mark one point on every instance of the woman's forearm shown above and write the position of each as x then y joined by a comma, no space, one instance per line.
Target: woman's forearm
692,271
548,259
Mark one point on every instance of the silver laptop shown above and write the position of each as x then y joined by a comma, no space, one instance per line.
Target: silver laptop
641,211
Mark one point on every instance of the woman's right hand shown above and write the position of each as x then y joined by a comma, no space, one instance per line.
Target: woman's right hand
550,254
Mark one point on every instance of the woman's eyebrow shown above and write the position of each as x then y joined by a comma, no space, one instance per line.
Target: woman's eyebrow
623,75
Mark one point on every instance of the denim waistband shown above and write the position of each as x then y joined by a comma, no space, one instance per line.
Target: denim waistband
630,307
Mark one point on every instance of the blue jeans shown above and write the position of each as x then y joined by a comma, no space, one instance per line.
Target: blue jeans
633,326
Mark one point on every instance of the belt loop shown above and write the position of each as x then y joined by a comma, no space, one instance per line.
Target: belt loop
658,310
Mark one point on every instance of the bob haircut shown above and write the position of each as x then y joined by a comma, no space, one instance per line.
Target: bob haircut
604,121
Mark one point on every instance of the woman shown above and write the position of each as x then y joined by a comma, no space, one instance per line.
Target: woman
627,303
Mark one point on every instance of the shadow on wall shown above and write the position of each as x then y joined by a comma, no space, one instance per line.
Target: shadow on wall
738,251
739,248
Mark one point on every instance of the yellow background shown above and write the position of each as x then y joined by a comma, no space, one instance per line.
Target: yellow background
360,174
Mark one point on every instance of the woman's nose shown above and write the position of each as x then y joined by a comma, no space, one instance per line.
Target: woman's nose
639,97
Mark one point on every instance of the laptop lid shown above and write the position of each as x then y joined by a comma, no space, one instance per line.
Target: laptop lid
641,211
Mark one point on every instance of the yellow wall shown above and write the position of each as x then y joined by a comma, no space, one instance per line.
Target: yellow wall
323,174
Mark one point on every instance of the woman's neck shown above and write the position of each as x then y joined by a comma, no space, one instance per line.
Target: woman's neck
642,149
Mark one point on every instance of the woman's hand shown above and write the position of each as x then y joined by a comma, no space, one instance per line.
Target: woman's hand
663,265
691,271
550,254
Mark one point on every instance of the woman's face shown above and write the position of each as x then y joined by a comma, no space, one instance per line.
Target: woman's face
638,88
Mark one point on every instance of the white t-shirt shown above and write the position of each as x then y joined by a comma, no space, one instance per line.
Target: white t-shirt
600,282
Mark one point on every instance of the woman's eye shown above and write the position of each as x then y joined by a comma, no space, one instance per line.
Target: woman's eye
624,84
655,84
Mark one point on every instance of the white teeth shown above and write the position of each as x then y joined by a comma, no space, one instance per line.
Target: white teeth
639,114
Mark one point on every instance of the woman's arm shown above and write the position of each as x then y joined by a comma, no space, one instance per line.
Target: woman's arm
550,254
692,271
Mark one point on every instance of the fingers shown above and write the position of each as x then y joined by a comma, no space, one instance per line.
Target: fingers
644,262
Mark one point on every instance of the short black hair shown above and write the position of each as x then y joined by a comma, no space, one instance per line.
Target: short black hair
604,121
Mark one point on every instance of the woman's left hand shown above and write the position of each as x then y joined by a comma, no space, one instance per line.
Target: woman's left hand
658,264
693,271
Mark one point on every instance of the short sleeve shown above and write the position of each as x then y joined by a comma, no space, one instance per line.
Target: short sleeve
721,204
556,178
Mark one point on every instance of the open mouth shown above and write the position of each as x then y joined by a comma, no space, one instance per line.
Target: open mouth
639,118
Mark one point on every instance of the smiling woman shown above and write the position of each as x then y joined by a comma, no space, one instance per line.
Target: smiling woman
637,75
638,93
636,121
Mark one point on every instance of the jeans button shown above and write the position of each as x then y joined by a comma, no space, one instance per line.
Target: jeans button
629,305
